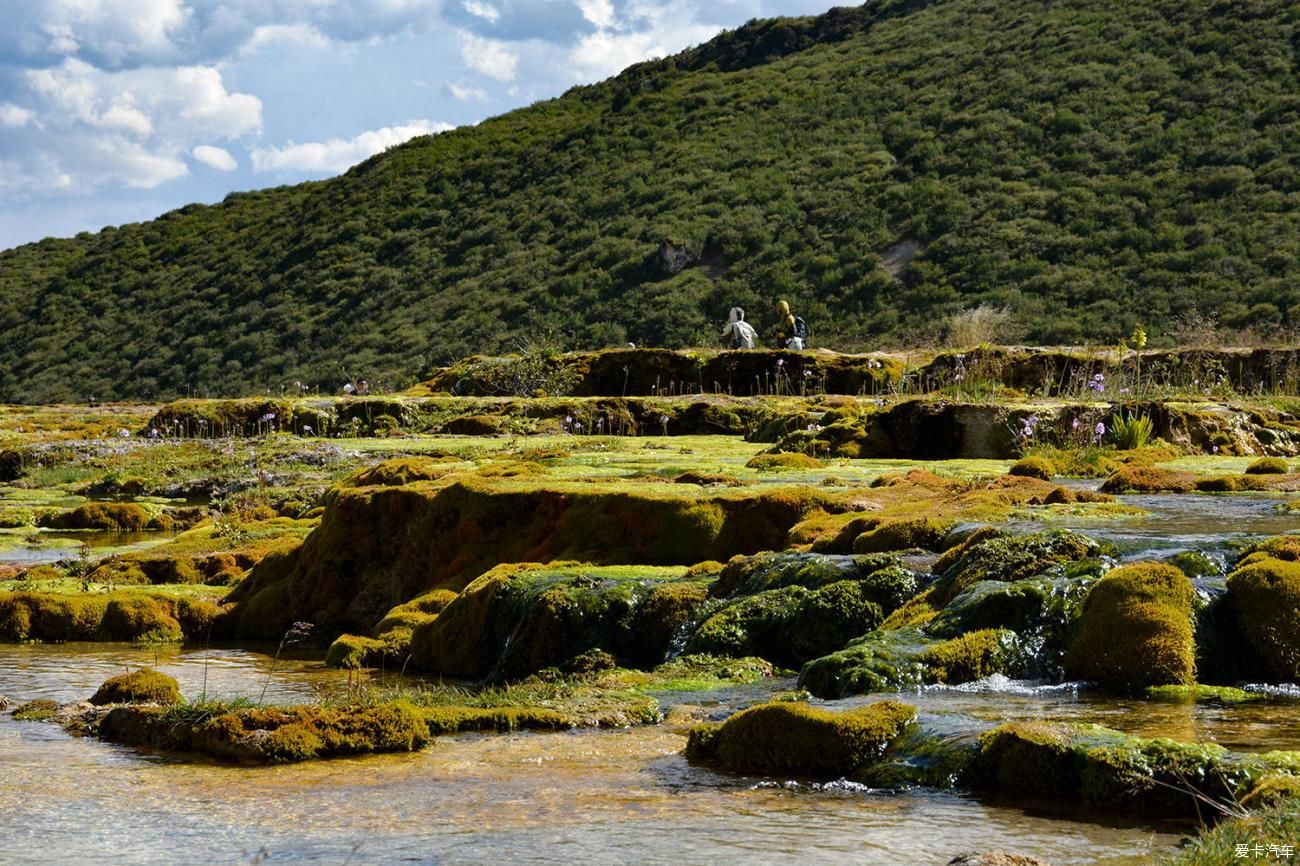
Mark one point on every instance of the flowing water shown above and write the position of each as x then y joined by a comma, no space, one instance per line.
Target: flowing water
584,796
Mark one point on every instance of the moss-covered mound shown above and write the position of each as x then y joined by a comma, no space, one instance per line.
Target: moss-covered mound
145,686
1135,629
38,710
1034,466
788,737
109,516
119,616
400,471
997,556
270,735
372,549
1265,594
516,620
1107,770
889,659
1149,479
1268,466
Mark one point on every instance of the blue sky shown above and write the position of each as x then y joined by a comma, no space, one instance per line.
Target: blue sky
114,111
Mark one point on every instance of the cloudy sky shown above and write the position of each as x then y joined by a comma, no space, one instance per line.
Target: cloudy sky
114,111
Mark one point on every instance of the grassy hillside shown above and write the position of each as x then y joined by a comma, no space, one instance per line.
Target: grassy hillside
1086,163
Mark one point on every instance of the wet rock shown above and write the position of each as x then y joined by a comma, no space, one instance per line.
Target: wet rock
1135,629
1106,770
5,703
1264,594
144,686
789,737
995,858
517,620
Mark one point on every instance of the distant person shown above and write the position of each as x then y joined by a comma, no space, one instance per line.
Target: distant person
363,388
791,332
742,333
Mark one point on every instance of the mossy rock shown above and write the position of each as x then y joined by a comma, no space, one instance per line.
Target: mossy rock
1148,479
1194,563
1265,595
106,516
1106,770
783,461
354,651
144,686
38,710
516,620
270,735
972,656
787,737
753,625
1008,558
883,660
926,533
1135,629
401,471
1034,466
1268,466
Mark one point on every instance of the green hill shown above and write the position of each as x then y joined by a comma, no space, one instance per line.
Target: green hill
1086,163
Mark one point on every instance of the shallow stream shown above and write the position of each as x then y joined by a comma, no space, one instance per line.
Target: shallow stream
585,796
599,797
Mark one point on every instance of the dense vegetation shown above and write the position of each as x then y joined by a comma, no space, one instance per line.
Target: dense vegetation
1086,164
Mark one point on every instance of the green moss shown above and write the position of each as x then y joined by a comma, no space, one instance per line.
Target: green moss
1201,694
1136,629
830,616
785,461
883,660
1266,597
36,711
754,625
927,533
117,616
143,686
787,737
1194,563
1148,479
972,656
108,516
1268,466
400,471
270,735
1034,466
516,620
354,651
1007,558
1104,769
1274,790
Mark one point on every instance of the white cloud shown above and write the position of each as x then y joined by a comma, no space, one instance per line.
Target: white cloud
12,115
190,101
300,34
339,154
482,10
94,128
215,157
487,56
646,30
461,92
114,31
598,12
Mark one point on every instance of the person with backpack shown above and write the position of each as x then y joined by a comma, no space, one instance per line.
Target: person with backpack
791,331
742,333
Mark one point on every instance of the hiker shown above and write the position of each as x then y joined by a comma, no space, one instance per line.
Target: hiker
742,333
790,332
